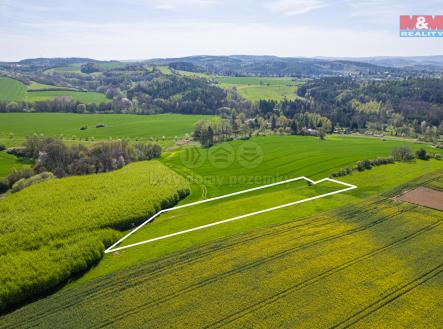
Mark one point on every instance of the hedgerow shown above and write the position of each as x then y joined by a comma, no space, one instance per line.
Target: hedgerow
363,165
58,228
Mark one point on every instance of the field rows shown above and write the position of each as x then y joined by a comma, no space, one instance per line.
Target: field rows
267,276
219,210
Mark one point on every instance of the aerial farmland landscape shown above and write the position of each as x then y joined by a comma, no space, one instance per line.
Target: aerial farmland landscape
208,164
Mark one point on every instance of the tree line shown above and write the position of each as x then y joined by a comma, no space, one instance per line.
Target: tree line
53,158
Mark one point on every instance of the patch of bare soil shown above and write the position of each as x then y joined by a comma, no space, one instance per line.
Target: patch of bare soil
424,196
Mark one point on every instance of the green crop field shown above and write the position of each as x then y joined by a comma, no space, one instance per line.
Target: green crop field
116,125
10,162
13,90
284,157
292,254
53,230
372,264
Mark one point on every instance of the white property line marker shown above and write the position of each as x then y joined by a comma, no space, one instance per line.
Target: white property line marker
112,249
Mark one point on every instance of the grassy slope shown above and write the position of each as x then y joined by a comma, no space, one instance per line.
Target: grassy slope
285,157
72,68
376,263
117,125
255,88
52,230
37,86
13,90
290,156
9,162
83,97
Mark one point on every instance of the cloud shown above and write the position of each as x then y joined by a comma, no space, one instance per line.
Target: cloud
148,40
294,7
179,4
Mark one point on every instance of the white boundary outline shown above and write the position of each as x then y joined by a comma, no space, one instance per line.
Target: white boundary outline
348,188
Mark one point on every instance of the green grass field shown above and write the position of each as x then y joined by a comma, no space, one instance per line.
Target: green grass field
73,68
9,163
13,90
38,86
116,125
286,157
255,88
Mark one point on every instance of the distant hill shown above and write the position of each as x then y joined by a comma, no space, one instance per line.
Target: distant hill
56,61
243,65
426,63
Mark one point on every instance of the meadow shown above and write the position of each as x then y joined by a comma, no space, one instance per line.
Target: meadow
68,126
57,229
9,163
255,88
374,263
13,90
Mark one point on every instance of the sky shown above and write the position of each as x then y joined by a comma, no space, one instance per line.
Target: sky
142,29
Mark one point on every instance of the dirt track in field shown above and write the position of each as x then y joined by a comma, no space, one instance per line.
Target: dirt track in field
424,197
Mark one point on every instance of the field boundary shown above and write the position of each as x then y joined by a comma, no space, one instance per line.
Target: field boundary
113,248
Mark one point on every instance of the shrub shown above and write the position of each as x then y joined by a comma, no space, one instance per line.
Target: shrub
55,156
437,156
343,172
17,175
364,165
100,125
421,154
382,161
4,185
2,147
402,154
18,152
146,151
25,182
